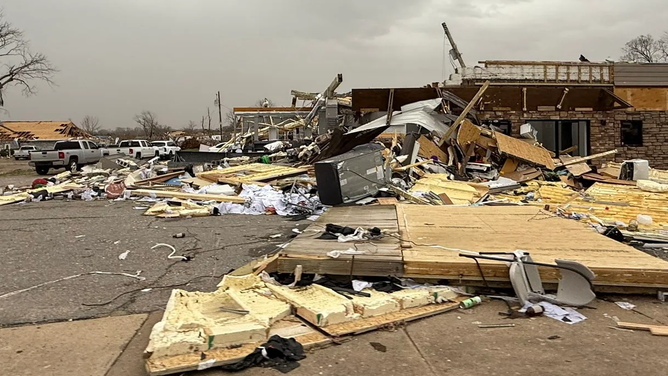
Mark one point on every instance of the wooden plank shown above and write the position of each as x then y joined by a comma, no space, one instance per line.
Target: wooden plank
251,173
606,179
522,150
403,227
509,166
505,229
468,134
186,196
465,112
569,150
372,323
160,178
234,181
659,331
18,197
575,169
524,176
636,326
290,327
408,167
387,200
382,256
429,149
198,182
459,192
584,159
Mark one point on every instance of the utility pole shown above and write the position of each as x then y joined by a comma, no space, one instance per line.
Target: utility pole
220,116
455,50
208,116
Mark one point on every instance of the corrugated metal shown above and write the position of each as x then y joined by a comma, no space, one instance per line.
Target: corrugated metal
641,74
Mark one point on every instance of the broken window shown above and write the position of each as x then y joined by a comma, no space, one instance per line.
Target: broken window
632,133
503,125
558,135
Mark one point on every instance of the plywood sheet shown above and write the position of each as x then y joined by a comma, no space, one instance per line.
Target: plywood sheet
429,149
290,327
646,98
506,229
575,169
250,173
372,323
522,150
22,196
387,200
606,202
382,257
459,192
469,133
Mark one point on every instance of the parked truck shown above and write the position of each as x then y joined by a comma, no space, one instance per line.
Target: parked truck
71,155
166,149
24,152
135,148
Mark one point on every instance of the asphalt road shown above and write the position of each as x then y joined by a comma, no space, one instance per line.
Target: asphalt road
47,241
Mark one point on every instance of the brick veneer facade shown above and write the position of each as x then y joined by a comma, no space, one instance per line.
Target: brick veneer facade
604,131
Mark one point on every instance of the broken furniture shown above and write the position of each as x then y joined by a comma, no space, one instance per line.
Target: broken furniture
575,286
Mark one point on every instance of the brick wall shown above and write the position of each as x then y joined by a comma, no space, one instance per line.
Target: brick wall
605,131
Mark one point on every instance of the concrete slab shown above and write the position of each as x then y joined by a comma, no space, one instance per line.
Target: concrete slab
355,357
86,347
453,344
131,361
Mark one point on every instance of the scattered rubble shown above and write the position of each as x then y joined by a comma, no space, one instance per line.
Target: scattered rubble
425,154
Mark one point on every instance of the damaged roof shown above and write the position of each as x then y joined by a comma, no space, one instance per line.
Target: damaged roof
39,130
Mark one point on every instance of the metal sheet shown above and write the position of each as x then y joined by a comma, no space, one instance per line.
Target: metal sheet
641,74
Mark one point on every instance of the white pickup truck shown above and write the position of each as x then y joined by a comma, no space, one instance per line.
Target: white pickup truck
167,149
24,152
135,148
68,154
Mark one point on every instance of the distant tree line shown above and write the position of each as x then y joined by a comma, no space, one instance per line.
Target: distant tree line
646,49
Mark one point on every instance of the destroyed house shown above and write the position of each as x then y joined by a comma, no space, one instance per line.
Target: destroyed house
39,133
582,107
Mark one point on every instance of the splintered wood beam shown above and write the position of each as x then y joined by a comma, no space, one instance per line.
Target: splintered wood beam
585,159
186,196
462,116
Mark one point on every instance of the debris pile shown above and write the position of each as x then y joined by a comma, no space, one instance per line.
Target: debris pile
250,188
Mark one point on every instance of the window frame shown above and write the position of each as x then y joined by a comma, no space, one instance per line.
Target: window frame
632,124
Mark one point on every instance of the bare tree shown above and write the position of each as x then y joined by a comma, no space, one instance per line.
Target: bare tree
148,123
646,49
230,118
190,128
264,103
20,67
91,124
162,132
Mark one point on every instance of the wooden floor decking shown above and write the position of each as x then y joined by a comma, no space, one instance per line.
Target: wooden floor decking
481,229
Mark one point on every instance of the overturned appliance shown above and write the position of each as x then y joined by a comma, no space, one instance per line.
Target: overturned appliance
351,176
575,286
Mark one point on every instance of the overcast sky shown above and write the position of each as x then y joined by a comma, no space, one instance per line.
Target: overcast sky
117,58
